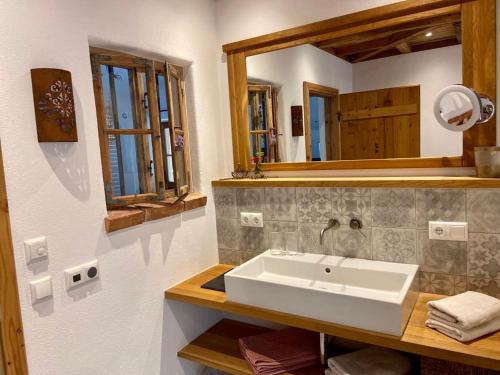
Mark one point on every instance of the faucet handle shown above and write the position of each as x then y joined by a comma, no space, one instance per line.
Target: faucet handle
333,223
356,224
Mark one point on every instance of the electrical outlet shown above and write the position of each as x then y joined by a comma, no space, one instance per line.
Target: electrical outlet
81,274
252,219
449,231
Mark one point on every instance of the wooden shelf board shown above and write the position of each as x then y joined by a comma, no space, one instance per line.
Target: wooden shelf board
423,182
218,348
416,339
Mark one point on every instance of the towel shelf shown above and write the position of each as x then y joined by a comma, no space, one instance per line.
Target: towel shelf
416,339
218,348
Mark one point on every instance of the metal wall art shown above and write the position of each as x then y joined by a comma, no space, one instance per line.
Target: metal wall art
54,105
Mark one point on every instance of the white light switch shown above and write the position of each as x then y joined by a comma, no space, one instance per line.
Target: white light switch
450,231
251,219
36,248
40,289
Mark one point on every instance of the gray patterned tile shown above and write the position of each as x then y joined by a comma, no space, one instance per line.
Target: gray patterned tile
394,245
486,286
349,203
225,203
309,239
232,257
313,205
393,208
442,284
250,200
228,233
440,256
483,210
484,255
277,226
279,204
247,255
439,205
252,239
351,243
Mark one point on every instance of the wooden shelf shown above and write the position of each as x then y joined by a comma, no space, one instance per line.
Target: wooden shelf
416,339
416,182
218,348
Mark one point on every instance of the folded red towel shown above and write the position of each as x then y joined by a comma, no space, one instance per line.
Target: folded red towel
280,351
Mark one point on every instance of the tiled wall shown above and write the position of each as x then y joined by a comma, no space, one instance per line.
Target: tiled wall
395,229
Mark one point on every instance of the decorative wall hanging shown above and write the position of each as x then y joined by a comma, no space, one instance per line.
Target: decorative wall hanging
54,105
297,121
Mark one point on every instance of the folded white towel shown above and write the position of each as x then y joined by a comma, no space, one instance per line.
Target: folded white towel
466,310
451,329
373,361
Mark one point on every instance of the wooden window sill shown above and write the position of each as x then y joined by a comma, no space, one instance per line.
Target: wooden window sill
143,212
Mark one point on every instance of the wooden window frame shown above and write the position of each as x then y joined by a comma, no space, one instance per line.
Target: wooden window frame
270,119
478,19
150,68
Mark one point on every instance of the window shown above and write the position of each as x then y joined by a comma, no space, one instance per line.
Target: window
141,114
262,105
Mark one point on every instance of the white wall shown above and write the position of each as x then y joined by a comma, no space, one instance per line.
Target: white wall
432,70
121,324
289,68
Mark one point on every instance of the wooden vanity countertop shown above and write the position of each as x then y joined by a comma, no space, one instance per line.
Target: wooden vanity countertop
417,338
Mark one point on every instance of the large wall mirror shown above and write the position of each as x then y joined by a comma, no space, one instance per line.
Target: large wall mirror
357,91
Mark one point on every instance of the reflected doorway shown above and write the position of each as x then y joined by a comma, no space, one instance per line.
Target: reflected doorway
321,117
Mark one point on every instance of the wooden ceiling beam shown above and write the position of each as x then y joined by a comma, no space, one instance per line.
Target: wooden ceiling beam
393,45
404,47
383,40
387,31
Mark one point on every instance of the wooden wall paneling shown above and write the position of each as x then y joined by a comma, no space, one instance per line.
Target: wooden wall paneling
381,124
479,67
11,326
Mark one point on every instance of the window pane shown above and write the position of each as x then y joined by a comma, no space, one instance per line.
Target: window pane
162,97
176,102
119,103
132,167
145,99
167,156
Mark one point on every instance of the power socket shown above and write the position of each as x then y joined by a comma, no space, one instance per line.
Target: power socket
81,274
251,219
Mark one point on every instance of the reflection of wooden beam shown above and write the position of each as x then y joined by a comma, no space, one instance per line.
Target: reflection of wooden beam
404,48
392,45
369,45
389,30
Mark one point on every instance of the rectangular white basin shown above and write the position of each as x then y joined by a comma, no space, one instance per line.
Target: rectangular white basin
367,294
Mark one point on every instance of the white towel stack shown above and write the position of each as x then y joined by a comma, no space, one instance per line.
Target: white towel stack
465,316
373,361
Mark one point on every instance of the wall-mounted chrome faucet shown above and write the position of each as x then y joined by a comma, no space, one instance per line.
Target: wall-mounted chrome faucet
332,223
357,224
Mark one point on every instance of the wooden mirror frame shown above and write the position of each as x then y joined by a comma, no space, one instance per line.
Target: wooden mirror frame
478,19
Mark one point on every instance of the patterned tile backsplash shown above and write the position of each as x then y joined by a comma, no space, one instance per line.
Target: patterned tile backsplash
394,229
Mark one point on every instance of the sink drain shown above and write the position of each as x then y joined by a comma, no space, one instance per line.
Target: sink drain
328,270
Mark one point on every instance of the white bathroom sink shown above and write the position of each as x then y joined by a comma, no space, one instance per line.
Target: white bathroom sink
373,295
